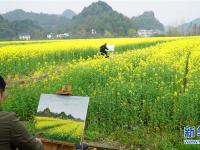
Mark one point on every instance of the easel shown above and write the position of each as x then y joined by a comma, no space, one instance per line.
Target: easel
58,145
66,90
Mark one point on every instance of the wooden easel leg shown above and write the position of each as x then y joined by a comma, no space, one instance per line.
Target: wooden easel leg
82,143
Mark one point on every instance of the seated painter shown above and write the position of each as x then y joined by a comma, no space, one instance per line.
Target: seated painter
103,49
13,134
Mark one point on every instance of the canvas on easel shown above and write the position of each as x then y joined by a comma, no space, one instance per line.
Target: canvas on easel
110,47
61,117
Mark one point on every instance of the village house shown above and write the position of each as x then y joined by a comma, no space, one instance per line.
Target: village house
58,36
24,36
62,36
51,36
93,32
148,33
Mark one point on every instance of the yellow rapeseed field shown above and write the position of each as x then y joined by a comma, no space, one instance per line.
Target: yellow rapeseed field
146,92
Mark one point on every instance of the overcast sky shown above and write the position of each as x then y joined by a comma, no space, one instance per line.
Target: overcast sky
169,12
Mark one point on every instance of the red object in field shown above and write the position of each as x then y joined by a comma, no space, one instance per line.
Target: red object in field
65,90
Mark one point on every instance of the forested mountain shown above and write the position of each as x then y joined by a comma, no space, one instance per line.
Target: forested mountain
68,13
190,28
147,21
96,20
102,19
47,113
27,27
11,30
6,32
50,23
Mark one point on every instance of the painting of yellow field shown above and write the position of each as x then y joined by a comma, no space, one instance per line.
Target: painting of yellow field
61,117
59,129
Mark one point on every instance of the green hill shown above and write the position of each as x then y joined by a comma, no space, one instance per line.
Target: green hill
190,28
147,21
96,20
68,14
51,23
11,30
100,17
6,32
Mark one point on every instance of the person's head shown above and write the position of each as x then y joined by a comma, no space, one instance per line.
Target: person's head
2,88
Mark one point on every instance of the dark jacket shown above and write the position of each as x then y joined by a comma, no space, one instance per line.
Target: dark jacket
103,48
14,135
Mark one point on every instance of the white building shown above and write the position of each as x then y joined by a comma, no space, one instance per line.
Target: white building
93,31
51,36
58,36
62,36
148,33
145,33
24,37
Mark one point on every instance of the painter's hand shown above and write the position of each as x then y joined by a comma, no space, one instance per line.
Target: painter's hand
38,140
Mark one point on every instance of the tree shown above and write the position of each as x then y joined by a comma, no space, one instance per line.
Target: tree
173,31
107,34
132,32
62,115
28,26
